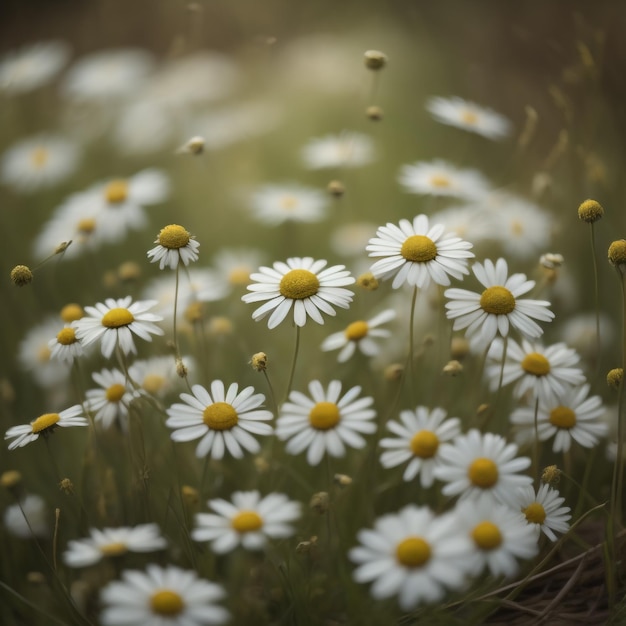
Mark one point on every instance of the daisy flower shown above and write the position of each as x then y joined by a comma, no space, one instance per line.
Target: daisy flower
29,517
500,535
236,265
419,436
359,335
44,425
302,283
163,596
417,253
413,554
481,466
175,244
327,423
498,307
157,375
65,347
335,151
543,510
542,372
248,520
115,322
110,402
469,116
276,204
225,420
440,178
350,239
571,415
113,542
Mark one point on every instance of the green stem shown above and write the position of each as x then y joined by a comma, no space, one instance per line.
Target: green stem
293,362
596,297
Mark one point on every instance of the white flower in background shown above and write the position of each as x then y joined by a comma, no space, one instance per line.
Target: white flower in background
144,127
469,116
157,375
39,162
337,151
440,178
543,510
579,332
28,518
416,253
413,554
236,265
162,596
175,244
419,435
111,542
350,239
302,283
276,204
65,347
32,66
248,520
110,402
359,335
470,222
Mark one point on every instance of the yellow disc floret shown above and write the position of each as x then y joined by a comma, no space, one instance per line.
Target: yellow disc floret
115,318
418,249
486,535
356,331
47,420
115,392
167,603
536,364
324,416
424,444
247,521
535,513
413,552
299,284
563,417
174,237
497,300
220,416
483,473
116,191
67,336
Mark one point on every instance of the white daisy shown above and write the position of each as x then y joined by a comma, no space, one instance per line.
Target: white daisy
162,596
481,466
417,253
45,425
498,307
237,264
157,375
336,151
29,517
303,283
419,436
176,244
327,423
65,347
110,402
571,415
225,420
470,222
359,335
350,239
413,554
543,510
114,322
544,373
440,178
500,535
469,116
276,204
248,520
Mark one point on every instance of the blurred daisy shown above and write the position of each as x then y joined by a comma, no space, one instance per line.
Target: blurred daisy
500,535
303,283
114,323
419,435
481,466
498,307
543,510
417,253
248,520
38,162
32,66
44,425
469,222
162,596
157,375
276,204
110,402
223,420
144,127
350,239
359,334
335,151
29,517
113,542
236,265
413,554
544,373
326,422
175,244
571,415
440,178
65,347
469,116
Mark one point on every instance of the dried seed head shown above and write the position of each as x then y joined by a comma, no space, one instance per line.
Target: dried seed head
194,146
375,60
259,361
551,260
320,502
617,253
21,275
181,368
452,368
551,475
459,348
614,378
66,486
374,113
394,372
590,211
336,188
367,281
343,480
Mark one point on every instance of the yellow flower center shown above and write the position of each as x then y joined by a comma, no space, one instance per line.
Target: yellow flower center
517,228
117,548
194,312
115,392
43,354
288,203
483,473
356,331
440,181
117,317
324,416
536,364
299,284
535,513
246,521
486,535
166,602
563,417
497,301
239,276
44,421
418,249
71,313
116,191
413,552
153,383
39,157
174,237
66,337
86,226
220,416
469,117
424,444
